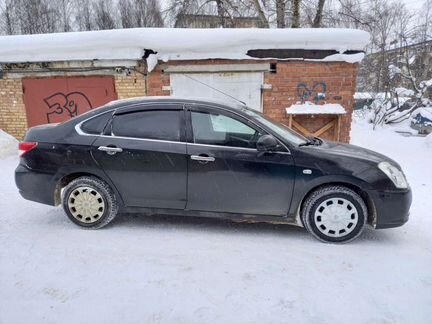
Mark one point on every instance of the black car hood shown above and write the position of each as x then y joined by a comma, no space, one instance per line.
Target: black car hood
352,151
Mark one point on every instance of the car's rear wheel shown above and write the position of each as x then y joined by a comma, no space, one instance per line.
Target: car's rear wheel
335,214
89,202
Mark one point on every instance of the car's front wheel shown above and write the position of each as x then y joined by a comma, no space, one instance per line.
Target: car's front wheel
335,214
89,202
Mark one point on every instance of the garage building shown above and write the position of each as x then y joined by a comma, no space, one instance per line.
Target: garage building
302,77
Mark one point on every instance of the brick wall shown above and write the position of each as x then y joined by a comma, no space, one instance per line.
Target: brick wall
156,80
128,86
339,78
12,110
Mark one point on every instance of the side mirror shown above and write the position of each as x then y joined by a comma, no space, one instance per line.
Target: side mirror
267,143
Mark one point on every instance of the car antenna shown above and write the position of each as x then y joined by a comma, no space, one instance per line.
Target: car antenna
226,94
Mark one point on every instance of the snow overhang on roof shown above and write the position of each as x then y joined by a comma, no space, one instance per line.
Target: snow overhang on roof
181,44
313,109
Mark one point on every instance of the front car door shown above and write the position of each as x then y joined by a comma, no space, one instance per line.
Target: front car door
227,173
144,155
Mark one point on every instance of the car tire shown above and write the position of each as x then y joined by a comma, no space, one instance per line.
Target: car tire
89,202
334,214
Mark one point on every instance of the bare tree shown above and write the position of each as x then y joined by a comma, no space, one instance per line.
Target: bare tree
84,14
140,13
352,14
64,9
280,13
126,12
8,26
226,10
295,13
221,12
424,27
319,14
103,14
34,16
261,15
151,15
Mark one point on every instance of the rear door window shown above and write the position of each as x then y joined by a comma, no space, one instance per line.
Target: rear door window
97,124
149,124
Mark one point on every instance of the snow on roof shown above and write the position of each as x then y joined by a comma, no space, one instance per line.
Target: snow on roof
309,108
177,44
364,95
374,95
137,100
425,112
404,92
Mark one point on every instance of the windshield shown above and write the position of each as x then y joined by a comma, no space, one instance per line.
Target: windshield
279,128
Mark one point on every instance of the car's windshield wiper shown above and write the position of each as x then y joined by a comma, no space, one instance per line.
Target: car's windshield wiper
312,141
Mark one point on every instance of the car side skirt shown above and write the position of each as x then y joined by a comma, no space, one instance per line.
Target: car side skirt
243,218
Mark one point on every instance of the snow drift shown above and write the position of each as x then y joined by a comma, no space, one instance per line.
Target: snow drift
8,144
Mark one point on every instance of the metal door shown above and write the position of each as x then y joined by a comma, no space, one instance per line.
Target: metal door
56,99
245,86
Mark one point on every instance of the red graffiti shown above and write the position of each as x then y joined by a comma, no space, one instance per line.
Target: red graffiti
66,105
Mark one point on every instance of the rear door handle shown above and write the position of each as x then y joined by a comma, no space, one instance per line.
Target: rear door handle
202,158
110,150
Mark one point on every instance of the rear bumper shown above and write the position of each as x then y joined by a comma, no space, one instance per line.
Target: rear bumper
35,185
392,207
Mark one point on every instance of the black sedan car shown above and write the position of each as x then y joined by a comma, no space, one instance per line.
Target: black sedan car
189,157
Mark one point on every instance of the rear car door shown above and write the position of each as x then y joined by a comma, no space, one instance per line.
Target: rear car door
143,152
227,173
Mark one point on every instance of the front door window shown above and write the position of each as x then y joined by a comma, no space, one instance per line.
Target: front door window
216,129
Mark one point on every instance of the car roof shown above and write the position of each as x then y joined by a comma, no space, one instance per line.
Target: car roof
172,99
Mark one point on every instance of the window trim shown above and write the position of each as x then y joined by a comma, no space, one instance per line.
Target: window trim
137,107
143,139
201,107
131,110
228,147
96,116
187,107
79,130
82,133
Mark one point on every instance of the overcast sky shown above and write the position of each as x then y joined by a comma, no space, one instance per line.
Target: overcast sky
413,4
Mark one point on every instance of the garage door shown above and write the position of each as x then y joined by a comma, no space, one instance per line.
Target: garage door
56,99
245,86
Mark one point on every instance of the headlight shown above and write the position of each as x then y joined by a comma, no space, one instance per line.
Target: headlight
395,175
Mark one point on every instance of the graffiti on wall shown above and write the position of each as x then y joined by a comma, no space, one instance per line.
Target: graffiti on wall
315,93
63,106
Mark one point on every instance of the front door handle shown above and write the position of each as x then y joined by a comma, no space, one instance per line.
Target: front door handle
202,158
110,150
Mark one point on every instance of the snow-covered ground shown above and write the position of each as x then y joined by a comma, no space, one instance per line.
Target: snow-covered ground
186,270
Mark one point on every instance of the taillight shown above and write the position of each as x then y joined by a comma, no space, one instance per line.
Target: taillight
25,147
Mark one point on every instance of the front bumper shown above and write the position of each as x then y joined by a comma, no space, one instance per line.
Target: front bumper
391,207
35,185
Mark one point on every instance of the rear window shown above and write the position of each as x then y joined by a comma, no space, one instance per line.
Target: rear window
150,124
96,124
